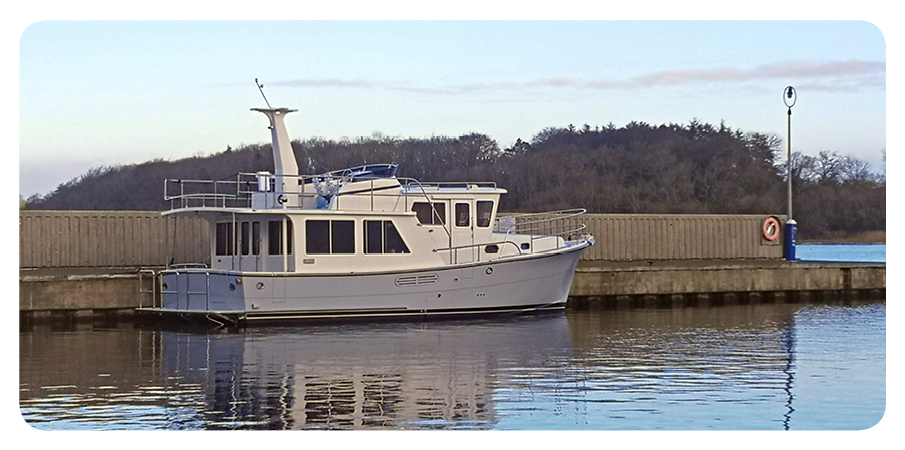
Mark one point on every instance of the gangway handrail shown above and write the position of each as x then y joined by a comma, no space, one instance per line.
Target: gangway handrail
142,290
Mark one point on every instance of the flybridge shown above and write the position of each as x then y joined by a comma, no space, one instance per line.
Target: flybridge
373,187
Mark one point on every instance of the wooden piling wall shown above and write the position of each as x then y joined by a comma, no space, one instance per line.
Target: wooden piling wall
84,239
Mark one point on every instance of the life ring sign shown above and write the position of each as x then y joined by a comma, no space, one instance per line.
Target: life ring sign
771,228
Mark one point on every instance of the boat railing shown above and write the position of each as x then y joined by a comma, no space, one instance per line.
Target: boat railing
180,266
180,193
238,192
525,233
146,276
554,223
424,185
490,248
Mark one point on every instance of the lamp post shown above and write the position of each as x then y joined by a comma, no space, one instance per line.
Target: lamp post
791,230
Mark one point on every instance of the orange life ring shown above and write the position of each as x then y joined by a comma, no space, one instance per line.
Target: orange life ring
771,229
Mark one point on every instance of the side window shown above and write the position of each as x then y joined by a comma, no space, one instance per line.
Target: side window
275,237
430,213
226,239
373,236
462,215
245,238
393,242
326,237
381,236
484,211
256,238
342,237
317,237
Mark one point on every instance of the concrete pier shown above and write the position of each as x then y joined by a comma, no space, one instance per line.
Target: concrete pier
74,294
81,264
720,282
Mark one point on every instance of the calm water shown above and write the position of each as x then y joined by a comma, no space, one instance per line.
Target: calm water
771,367
750,367
842,252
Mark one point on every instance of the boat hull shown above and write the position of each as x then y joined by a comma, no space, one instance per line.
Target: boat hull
512,284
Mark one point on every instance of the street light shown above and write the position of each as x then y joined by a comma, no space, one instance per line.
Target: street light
789,98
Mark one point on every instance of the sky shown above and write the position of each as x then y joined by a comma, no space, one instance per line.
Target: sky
101,93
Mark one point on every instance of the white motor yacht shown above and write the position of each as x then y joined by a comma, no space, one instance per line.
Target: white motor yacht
362,242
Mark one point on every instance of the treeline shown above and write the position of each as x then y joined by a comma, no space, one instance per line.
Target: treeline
638,168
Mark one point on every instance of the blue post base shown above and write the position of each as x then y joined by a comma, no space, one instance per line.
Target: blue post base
790,238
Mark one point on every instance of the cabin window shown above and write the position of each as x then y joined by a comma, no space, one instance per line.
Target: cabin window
462,215
256,238
325,237
342,237
484,212
275,237
381,236
373,236
225,239
245,238
430,213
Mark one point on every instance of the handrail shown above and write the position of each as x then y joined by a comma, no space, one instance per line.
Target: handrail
547,218
441,184
142,290
550,216
434,214
485,244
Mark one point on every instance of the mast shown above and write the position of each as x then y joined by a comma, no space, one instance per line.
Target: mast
284,163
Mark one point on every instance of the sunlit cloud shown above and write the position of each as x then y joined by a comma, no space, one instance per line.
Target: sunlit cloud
832,75
328,83
817,75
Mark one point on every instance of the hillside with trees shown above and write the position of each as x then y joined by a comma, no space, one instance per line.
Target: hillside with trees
696,168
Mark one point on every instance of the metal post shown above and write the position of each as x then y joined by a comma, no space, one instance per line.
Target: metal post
789,162
791,229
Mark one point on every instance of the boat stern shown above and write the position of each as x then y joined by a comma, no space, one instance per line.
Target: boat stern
201,291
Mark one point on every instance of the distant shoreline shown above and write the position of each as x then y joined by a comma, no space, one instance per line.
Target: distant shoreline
866,237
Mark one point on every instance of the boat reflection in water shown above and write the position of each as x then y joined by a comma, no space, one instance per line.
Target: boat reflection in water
770,366
480,375
350,376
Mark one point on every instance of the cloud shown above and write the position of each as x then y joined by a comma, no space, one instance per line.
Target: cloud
847,74
816,75
328,83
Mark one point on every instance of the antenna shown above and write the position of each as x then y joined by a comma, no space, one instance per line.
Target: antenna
261,88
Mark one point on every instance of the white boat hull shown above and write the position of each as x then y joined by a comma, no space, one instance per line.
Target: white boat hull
539,281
